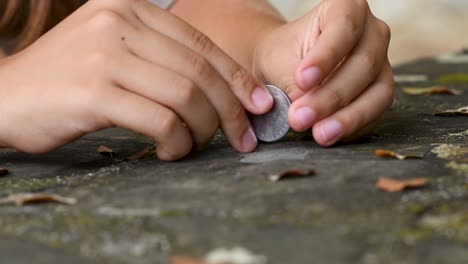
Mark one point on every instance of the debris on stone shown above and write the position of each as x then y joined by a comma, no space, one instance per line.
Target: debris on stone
237,255
448,151
410,78
391,154
293,173
3,171
438,89
452,58
463,111
392,185
186,260
28,198
453,78
459,134
106,151
149,151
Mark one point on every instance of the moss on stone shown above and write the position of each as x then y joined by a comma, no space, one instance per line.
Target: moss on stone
447,151
458,168
451,78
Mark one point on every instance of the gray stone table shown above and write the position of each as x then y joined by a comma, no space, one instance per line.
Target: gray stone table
144,211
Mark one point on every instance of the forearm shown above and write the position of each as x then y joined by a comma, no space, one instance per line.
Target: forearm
235,25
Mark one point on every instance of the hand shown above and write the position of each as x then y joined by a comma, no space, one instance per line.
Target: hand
333,64
128,64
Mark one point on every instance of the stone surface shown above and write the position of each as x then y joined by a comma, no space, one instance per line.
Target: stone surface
145,211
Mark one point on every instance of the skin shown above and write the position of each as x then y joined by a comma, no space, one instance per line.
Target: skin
132,65
161,77
332,62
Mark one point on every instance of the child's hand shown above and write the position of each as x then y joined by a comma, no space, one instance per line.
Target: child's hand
127,64
333,64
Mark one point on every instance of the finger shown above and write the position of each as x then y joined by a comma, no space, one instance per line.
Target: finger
173,91
348,81
367,130
363,111
161,50
253,96
341,28
128,110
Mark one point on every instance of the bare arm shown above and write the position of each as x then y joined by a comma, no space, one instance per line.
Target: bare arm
235,25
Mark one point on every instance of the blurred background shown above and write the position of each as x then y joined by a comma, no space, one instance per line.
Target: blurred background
420,28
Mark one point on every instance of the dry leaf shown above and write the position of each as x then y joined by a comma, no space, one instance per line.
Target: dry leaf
186,260
3,171
294,173
391,154
146,152
439,89
106,151
463,111
391,185
25,198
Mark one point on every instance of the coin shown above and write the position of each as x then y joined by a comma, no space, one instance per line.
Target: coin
273,126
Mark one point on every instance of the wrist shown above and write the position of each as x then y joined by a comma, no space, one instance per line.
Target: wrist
258,43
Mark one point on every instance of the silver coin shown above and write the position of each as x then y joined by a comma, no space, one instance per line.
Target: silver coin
273,125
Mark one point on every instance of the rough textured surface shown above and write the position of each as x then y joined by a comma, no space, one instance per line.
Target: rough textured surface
144,211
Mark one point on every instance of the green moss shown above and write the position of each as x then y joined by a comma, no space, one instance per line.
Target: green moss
415,234
458,168
27,185
444,208
454,225
417,209
450,78
172,213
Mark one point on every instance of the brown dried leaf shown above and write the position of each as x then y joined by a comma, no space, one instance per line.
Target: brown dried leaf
3,171
439,89
392,185
26,198
106,151
186,260
463,111
391,154
293,173
144,153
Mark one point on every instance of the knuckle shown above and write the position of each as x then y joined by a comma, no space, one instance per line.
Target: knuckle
385,30
240,78
200,66
351,24
336,100
236,113
369,61
332,52
187,91
363,4
389,95
105,20
97,59
166,122
201,42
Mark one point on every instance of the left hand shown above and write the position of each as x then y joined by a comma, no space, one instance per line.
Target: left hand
333,65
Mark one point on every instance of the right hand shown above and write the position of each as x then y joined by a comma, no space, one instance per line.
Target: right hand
128,64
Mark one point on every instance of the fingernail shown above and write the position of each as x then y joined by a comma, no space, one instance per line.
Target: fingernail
249,141
305,117
310,77
261,98
331,130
